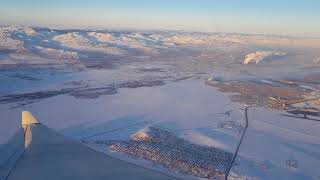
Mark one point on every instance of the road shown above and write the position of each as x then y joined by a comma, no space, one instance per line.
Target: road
242,136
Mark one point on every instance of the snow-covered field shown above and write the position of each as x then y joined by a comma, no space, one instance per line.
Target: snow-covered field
96,86
279,147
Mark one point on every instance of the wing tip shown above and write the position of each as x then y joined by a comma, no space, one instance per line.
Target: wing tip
28,118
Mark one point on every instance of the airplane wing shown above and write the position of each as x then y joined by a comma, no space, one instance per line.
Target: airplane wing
45,154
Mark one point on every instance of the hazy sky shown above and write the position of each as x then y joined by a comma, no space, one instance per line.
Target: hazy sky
299,17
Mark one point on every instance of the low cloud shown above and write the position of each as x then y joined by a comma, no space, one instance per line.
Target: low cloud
260,56
317,60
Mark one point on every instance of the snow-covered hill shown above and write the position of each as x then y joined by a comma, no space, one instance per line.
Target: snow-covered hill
30,43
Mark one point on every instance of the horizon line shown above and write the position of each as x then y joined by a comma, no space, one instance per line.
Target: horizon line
105,28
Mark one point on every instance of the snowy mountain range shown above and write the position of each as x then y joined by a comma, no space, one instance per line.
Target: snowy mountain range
35,45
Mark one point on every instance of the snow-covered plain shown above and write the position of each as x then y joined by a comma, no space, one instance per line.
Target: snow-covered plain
110,85
278,147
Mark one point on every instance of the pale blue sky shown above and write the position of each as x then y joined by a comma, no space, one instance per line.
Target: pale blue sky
292,17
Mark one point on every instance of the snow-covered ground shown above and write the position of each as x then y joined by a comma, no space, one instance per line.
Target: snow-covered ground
190,109
278,147
193,111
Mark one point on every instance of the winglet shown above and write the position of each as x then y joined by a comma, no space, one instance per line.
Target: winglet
28,118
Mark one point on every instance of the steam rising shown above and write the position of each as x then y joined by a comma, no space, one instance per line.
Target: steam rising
317,61
259,56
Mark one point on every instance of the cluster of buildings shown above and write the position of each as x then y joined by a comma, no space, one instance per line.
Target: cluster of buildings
176,154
